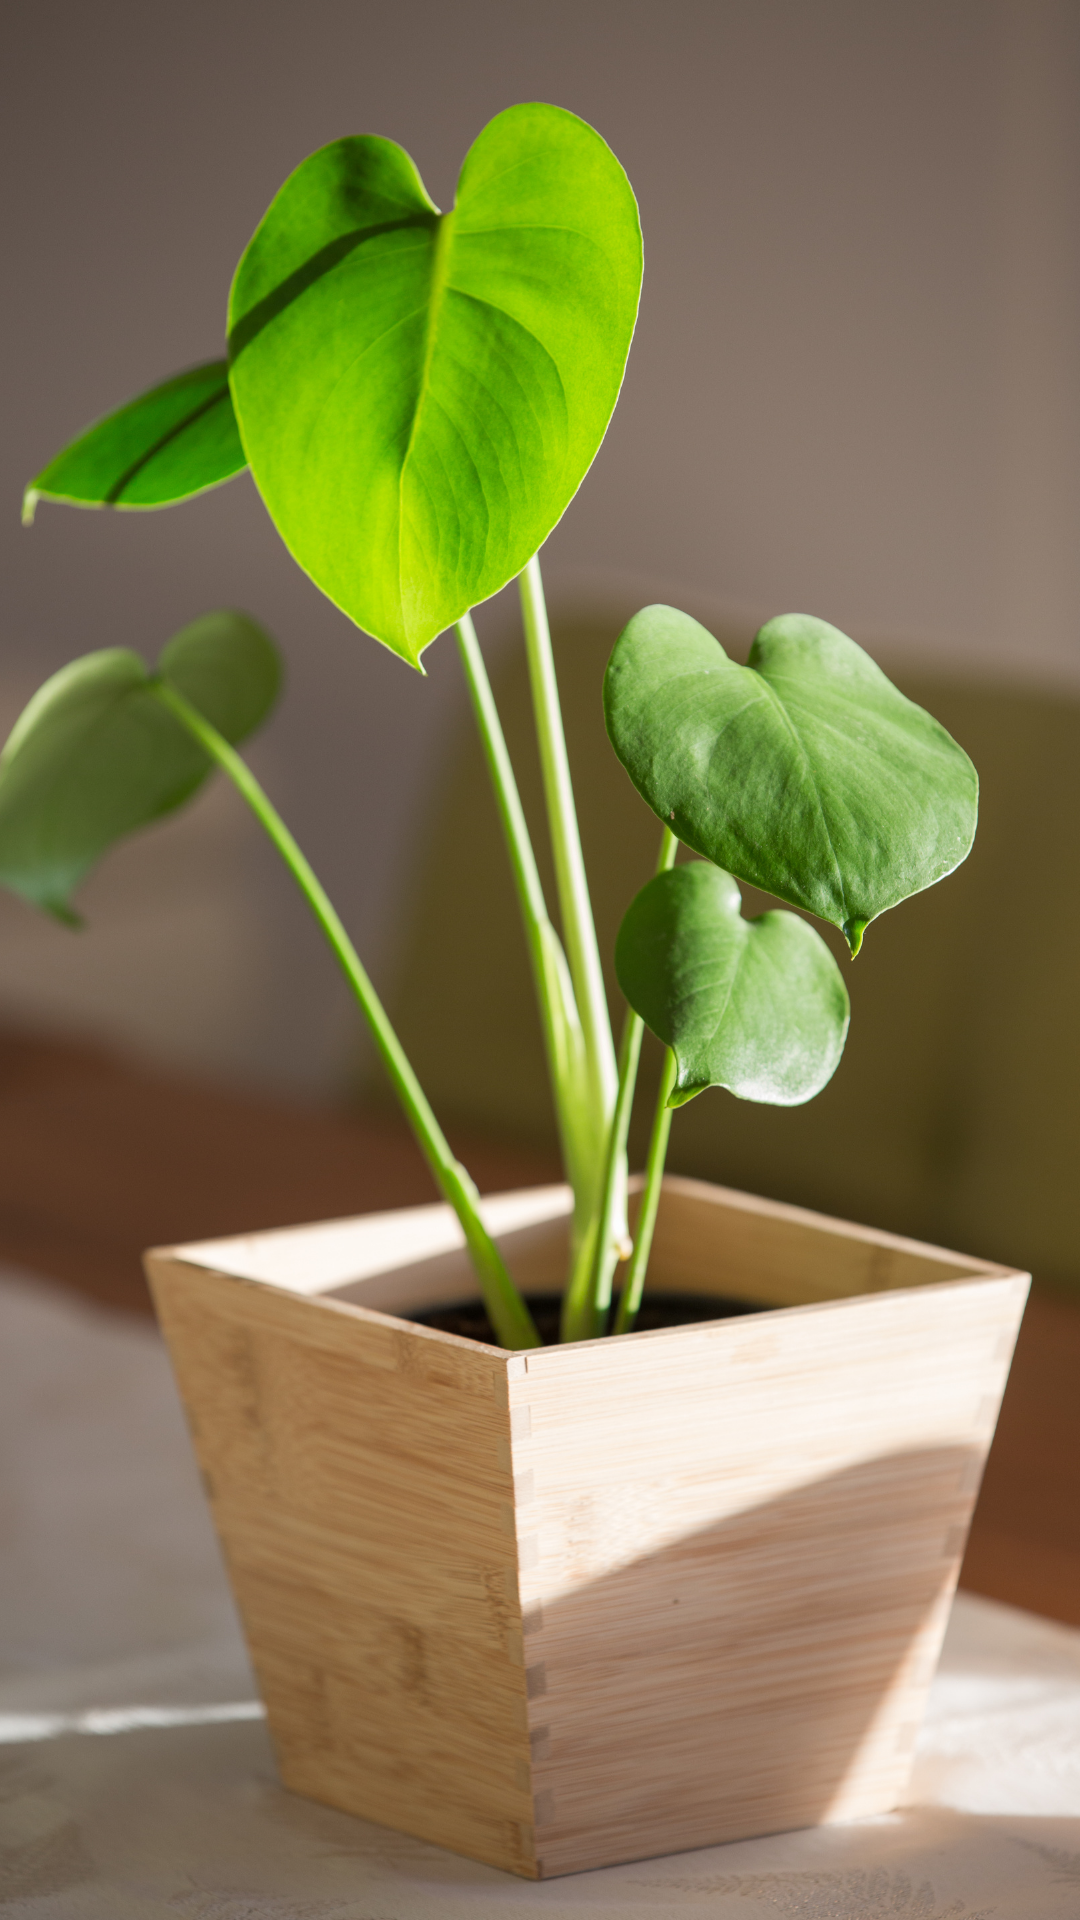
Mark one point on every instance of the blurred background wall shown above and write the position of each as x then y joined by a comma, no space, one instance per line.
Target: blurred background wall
855,390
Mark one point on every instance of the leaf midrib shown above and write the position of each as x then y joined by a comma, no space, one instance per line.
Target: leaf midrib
742,934
312,270
781,709
720,671
120,486
440,268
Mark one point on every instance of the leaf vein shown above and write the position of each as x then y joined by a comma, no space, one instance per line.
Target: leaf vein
164,440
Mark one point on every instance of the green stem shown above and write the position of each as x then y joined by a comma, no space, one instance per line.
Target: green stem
558,1013
634,1284
508,1313
575,906
522,859
585,1309
588,1297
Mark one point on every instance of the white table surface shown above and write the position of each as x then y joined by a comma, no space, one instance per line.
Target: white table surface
136,1778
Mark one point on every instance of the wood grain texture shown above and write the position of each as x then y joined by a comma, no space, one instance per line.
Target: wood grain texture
561,1609
360,1477
753,1533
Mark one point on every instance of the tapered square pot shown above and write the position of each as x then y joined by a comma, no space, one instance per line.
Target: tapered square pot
590,1603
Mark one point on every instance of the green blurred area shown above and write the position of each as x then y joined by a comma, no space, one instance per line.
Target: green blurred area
955,1113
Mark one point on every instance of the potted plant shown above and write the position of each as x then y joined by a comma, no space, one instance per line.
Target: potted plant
551,1605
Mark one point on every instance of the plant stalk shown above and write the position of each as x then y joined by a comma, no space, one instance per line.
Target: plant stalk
519,846
634,1284
588,1297
585,1309
575,905
563,1039
509,1315
599,1078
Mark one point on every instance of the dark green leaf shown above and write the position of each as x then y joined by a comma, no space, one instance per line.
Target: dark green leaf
420,395
757,1006
95,755
804,772
228,667
176,440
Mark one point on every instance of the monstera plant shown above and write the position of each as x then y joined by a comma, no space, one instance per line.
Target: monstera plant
418,396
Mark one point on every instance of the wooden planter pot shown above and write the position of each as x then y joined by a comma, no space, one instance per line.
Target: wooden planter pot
587,1604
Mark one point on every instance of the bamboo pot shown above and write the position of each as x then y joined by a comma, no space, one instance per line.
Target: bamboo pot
564,1608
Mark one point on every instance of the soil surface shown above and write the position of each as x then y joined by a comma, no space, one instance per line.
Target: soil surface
469,1318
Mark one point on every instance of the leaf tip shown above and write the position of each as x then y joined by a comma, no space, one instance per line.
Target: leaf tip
681,1095
66,915
853,934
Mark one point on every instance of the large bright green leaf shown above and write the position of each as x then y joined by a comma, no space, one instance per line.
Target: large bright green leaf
805,772
757,1006
421,394
95,755
176,440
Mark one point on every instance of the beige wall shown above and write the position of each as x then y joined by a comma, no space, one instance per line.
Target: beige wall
855,389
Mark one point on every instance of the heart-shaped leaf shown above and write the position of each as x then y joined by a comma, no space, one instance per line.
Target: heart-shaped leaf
175,440
805,772
757,1006
95,754
421,394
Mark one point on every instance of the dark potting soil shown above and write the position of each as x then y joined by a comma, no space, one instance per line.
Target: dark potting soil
469,1317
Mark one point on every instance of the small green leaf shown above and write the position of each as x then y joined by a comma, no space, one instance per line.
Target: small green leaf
175,440
228,667
95,755
757,1006
421,394
805,772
